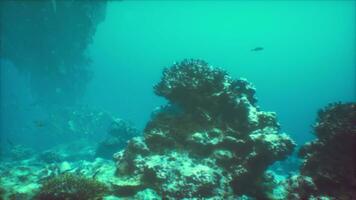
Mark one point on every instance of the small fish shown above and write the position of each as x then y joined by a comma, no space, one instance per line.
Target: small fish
39,123
257,49
10,142
65,171
95,173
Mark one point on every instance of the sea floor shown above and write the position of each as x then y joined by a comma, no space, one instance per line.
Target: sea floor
21,178
22,174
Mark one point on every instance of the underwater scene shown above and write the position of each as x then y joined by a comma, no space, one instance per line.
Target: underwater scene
166,100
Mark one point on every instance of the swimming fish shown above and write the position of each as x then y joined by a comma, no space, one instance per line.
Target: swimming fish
96,172
39,123
257,49
10,142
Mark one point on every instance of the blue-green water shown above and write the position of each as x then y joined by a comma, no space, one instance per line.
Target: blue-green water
308,60
77,83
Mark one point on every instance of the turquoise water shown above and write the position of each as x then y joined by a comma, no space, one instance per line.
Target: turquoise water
308,58
77,83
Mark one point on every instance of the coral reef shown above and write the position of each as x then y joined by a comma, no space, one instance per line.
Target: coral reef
71,187
210,141
119,133
300,187
329,166
21,179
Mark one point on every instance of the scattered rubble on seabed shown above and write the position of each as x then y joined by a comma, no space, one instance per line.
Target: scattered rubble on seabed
24,170
21,179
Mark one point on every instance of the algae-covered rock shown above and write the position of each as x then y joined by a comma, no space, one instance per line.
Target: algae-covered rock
127,186
22,179
329,161
180,176
71,187
209,141
300,187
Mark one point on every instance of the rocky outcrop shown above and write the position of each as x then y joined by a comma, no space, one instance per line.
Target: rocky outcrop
329,161
210,141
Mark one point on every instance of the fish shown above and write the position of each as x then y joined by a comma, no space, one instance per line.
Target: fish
39,123
65,171
257,49
10,142
96,172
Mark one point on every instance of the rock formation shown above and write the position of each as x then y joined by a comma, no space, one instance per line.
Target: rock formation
328,169
210,141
